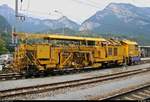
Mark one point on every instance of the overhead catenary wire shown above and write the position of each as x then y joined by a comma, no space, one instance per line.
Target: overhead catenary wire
78,1
27,10
34,12
21,6
28,6
86,3
44,13
91,1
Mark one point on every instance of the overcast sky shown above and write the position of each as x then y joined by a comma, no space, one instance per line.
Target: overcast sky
76,10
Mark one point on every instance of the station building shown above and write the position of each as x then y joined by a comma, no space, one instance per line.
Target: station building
145,51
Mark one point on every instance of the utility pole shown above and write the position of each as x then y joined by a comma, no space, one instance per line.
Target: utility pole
18,17
16,8
14,40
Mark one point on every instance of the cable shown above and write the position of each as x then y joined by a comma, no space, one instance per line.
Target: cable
35,12
95,3
27,10
85,3
69,16
28,6
44,13
21,6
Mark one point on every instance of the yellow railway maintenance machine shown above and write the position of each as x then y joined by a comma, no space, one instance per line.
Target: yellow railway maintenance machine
46,52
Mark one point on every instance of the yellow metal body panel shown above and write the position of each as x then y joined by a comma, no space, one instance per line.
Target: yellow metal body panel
106,57
129,42
43,51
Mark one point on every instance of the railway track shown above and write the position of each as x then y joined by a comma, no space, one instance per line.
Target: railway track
10,76
15,76
137,93
9,93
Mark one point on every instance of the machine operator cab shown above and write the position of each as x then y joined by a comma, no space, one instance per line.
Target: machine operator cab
131,51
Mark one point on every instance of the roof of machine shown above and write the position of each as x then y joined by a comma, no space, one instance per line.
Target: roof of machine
55,37
130,42
113,42
64,37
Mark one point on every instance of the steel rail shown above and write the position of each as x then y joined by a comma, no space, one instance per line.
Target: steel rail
62,85
128,94
10,76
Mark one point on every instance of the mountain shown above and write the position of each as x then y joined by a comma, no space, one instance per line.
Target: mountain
62,22
119,18
36,25
4,25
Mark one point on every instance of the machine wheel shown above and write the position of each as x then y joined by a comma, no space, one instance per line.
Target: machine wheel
31,71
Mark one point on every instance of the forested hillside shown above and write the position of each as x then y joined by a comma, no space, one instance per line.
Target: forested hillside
5,37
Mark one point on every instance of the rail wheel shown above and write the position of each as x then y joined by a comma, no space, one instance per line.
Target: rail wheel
41,74
31,71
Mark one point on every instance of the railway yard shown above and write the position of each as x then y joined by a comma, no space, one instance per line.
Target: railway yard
77,64
124,82
74,68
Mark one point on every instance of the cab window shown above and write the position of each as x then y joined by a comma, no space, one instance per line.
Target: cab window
91,43
110,51
115,51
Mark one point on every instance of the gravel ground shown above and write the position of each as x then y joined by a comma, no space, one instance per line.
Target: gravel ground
37,81
102,89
